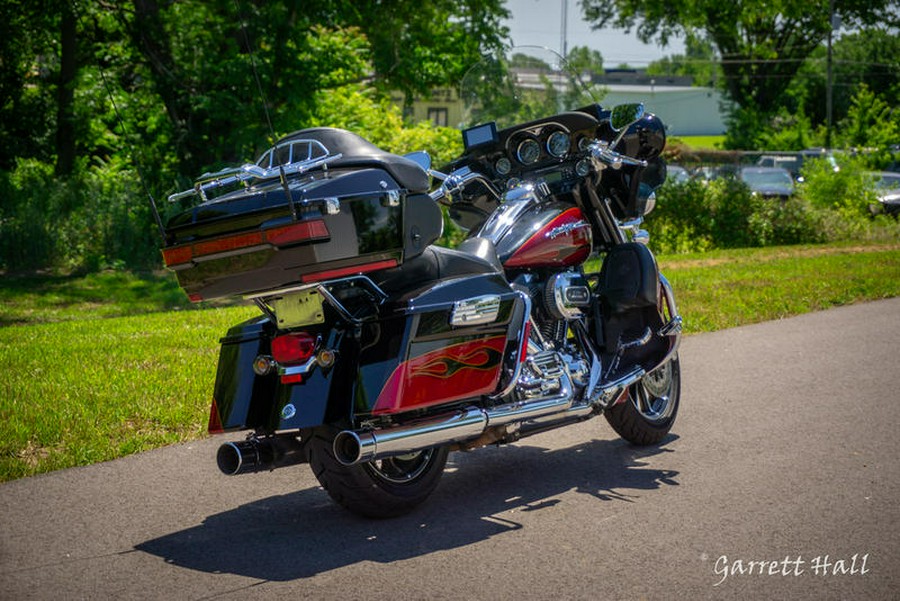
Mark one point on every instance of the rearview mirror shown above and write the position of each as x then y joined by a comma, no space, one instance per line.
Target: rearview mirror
420,158
624,115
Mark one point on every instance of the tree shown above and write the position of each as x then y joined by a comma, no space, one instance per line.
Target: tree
761,44
870,56
698,62
582,59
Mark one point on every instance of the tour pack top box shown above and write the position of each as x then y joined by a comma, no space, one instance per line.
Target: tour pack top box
322,203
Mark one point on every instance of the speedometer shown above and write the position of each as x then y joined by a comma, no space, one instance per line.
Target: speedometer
528,152
558,144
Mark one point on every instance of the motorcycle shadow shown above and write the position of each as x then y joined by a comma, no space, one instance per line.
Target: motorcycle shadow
301,534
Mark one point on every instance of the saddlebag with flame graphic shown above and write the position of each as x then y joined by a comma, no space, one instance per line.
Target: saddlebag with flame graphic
456,340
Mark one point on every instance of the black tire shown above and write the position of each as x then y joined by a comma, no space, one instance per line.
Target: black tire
376,489
648,413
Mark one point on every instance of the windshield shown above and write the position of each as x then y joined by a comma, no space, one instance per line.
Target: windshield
767,177
523,84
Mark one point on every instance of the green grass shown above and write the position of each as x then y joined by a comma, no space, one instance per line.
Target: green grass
46,298
77,388
724,289
82,391
700,142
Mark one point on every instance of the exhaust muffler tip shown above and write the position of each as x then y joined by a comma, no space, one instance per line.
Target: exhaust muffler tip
352,447
244,457
229,460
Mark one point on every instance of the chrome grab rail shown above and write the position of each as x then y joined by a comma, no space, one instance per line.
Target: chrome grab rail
235,175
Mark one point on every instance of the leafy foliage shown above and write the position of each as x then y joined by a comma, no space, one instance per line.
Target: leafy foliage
771,54
179,88
829,206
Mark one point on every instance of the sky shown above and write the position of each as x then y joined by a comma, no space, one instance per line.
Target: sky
539,23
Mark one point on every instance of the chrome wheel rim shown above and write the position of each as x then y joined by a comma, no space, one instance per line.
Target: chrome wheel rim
653,395
401,469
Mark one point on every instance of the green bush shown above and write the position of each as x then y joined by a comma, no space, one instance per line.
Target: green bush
829,206
95,219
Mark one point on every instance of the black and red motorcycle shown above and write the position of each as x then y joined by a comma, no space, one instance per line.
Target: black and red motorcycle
376,352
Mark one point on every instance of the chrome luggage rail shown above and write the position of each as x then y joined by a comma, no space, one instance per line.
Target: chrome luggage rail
209,182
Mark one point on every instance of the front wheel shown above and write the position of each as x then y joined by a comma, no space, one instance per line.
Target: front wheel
382,488
648,413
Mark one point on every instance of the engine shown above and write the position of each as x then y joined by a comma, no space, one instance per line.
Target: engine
558,300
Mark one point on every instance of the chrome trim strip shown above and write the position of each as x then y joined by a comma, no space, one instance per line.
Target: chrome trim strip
294,370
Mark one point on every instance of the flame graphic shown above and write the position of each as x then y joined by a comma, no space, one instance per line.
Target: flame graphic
445,366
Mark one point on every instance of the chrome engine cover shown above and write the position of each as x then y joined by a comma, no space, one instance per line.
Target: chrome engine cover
566,294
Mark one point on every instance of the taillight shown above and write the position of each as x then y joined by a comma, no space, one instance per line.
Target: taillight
293,348
303,231
332,274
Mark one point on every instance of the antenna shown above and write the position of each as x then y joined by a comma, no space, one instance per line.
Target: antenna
259,88
563,30
132,152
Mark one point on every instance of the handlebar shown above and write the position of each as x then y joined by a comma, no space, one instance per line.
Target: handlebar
603,152
456,181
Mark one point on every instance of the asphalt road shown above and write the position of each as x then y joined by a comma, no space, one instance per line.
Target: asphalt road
785,452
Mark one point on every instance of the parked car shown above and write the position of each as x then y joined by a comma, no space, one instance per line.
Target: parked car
793,161
677,174
887,188
768,182
708,173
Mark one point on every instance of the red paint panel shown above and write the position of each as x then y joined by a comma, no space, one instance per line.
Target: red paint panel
448,374
569,246
339,273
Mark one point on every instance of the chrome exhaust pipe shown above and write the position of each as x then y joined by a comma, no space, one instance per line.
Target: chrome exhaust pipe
256,455
357,446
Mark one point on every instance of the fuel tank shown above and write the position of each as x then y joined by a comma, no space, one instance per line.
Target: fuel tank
552,235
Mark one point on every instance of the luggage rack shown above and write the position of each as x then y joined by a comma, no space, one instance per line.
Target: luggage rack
316,156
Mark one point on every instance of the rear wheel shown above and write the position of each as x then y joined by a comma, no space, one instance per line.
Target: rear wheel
377,489
648,413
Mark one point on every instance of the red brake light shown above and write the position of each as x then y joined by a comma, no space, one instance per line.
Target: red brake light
293,348
304,231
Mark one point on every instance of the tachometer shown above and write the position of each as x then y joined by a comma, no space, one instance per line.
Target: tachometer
529,151
558,144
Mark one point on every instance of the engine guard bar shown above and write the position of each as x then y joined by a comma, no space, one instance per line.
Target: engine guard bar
672,329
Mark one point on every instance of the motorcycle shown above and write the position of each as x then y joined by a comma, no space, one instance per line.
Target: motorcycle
376,352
